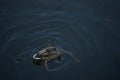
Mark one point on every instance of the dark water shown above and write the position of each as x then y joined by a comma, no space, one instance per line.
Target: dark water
88,28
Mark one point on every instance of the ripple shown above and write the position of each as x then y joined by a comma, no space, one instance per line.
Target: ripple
26,39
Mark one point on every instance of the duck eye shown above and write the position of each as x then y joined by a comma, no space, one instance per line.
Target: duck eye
54,49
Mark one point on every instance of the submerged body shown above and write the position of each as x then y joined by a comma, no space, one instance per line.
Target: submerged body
50,53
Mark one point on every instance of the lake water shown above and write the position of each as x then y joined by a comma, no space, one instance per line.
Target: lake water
88,28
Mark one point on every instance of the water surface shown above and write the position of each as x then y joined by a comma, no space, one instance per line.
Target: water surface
87,28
